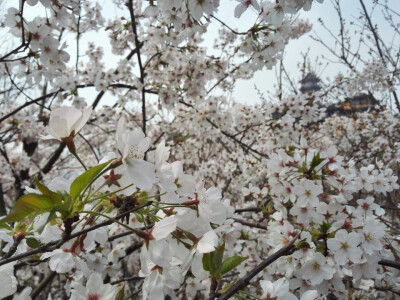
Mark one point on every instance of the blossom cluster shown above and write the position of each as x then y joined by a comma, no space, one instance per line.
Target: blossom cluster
169,188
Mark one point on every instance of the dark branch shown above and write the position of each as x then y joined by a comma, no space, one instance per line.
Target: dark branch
245,280
255,225
127,279
42,285
56,244
390,263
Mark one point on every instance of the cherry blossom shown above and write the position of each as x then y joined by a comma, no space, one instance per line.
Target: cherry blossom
345,247
62,261
307,192
133,145
177,190
94,289
316,269
65,123
243,5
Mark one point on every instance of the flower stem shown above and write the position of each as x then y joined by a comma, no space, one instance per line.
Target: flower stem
109,218
81,162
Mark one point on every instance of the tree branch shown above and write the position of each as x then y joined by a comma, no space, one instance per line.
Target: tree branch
389,263
141,68
56,244
42,285
127,279
245,280
254,225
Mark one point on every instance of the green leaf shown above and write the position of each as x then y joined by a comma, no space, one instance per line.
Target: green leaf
324,227
217,255
302,244
231,263
51,216
207,265
45,191
5,226
87,177
212,261
121,294
291,149
142,198
30,205
314,233
33,243
139,218
226,287
316,161
320,248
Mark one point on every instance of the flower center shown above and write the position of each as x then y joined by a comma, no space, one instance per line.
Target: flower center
365,206
345,246
369,237
134,153
315,266
269,297
93,297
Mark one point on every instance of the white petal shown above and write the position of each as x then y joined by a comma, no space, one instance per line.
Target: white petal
255,5
154,287
239,10
82,120
214,194
136,137
197,268
173,277
8,282
219,213
159,253
24,295
162,153
309,295
61,263
120,133
81,265
141,172
208,242
164,227
94,283
58,127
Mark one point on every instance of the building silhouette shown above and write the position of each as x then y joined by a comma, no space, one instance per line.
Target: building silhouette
310,84
350,106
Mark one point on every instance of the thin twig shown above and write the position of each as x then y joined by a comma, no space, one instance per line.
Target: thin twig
249,209
255,225
127,279
34,101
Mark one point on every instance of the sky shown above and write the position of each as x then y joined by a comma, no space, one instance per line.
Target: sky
266,79
245,91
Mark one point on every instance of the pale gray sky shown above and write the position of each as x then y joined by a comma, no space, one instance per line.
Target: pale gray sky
266,79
